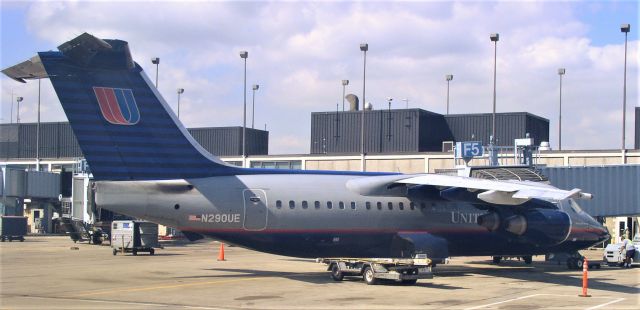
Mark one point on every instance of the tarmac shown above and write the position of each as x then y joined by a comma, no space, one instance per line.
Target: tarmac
55,273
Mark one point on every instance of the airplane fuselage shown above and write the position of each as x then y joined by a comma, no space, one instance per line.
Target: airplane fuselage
307,215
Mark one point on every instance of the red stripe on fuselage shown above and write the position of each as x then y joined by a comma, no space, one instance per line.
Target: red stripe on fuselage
335,231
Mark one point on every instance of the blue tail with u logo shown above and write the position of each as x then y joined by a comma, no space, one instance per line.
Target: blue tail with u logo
123,125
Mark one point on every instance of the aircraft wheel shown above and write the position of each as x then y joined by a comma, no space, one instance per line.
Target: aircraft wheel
336,275
152,252
368,277
527,259
115,252
571,263
497,259
579,264
135,252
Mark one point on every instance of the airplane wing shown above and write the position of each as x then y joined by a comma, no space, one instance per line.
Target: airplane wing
491,191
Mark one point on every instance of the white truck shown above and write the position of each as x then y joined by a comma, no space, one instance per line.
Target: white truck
614,254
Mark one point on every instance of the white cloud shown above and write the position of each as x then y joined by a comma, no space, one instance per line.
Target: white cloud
299,53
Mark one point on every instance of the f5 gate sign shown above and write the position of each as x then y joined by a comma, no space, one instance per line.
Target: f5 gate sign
468,149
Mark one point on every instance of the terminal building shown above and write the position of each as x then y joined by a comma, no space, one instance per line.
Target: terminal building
416,130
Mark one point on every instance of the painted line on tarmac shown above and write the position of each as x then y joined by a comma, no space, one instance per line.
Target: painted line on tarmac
502,302
606,304
536,295
121,302
160,287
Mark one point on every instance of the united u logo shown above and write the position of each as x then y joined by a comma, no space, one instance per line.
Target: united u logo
117,105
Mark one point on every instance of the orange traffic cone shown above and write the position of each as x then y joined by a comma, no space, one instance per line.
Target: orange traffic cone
221,252
585,278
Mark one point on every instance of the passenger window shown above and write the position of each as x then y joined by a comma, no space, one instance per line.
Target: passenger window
278,204
341,205
368,205
390,205
412,206
401,206
304,204
379,205
317,204
292,204
329,205
353,205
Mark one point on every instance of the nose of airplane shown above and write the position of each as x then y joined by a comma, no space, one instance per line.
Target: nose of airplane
604,234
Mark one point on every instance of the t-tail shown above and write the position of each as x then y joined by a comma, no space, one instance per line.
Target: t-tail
123,125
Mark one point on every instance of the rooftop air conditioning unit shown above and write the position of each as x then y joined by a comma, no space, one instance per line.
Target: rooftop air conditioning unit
447,146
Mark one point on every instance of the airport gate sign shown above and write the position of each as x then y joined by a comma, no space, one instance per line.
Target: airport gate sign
468,149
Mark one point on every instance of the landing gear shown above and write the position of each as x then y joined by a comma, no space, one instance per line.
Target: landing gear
575,263
336,274
527,259
497,259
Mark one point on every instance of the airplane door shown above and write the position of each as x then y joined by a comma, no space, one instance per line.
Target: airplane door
255,209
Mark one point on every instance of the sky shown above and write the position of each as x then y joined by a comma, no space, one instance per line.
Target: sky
299,52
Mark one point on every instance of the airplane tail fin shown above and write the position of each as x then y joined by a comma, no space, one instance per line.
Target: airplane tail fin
123,125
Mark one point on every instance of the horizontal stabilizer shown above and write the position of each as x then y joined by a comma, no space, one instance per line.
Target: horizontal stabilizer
29,69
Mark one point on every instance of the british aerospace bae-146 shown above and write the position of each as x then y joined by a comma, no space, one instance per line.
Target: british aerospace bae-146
145,164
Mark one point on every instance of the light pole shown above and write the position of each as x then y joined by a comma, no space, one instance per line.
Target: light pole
389,99
180,91
449,77
406,101
18,100
11,119
561,72
494,38
344,85
624,28
253,104
244,55
38,130
156,61
364,47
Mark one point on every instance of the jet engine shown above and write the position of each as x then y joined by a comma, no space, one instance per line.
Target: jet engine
539,226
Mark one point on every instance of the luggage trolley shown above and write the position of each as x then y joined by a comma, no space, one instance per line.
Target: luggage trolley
133,237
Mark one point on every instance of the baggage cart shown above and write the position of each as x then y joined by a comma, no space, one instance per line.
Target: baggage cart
372,270
134,237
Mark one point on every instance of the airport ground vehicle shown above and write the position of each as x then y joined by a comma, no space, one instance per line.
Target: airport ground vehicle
372,270
13,228
134,237
614,257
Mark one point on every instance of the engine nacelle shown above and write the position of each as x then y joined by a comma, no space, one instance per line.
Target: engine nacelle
539,226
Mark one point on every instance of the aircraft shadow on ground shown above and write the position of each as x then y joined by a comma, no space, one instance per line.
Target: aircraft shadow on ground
544,272
309,277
